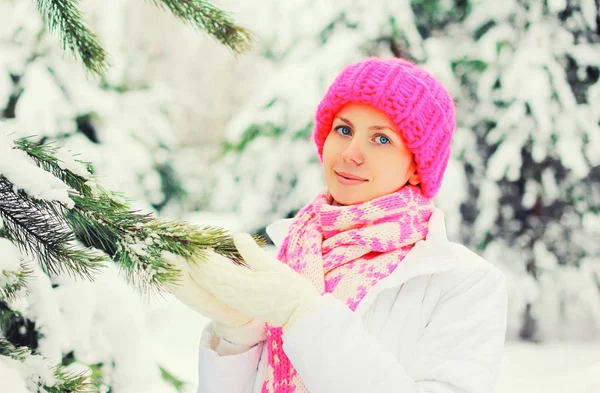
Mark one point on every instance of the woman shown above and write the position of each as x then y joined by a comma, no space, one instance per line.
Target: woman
367,294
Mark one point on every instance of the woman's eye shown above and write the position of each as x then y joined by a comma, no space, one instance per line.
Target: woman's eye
343,130
382,139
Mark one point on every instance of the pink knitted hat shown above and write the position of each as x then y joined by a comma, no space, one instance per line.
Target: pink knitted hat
418,104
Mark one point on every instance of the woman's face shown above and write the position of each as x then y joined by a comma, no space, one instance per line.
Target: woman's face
364,157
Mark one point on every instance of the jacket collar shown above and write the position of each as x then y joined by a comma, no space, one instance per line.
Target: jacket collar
433,255
429,256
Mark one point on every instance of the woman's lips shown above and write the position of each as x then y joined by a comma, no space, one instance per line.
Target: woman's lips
348,179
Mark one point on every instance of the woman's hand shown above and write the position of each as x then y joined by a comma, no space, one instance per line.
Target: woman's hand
229,323
270,290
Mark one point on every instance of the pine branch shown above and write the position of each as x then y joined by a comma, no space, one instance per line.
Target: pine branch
98,378
103,219
136,241
65,381
64,17
12,283
38,227
69,382
12,280
140,254
16,353
205,16
44,156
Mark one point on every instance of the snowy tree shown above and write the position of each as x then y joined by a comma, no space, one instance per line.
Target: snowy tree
532,80
117,123
522,186
125,119
54,213
59,226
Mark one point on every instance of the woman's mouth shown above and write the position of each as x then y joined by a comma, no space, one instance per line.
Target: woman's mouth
348,179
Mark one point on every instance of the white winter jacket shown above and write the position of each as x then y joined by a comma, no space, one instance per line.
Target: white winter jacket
435,325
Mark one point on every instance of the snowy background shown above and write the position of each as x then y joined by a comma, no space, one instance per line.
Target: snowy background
190,131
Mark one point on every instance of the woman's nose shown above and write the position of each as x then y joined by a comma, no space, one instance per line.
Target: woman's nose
353,152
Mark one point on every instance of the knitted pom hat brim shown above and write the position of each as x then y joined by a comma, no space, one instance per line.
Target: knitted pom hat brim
420,107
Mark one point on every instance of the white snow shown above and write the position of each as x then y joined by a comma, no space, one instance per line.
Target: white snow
590,13
43,307
10,265
25,175
11,259
105,321
67,162
556,6
24,376
10,378
33,112
531,368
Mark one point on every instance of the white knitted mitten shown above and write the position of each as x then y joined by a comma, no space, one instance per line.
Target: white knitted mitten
228,323
269,291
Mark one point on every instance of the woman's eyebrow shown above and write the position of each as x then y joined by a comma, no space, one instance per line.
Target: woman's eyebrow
345,120
377,128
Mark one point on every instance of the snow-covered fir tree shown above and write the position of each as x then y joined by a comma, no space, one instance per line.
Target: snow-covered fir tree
121,121
59,227
530,79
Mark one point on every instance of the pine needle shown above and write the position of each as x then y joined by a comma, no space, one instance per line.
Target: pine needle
64,18
38,228
205,16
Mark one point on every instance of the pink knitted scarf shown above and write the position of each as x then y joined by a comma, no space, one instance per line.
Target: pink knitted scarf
345,250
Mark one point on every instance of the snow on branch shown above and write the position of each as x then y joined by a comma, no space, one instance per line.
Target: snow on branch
51,225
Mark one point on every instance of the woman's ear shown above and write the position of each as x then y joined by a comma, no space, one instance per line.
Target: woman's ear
414,179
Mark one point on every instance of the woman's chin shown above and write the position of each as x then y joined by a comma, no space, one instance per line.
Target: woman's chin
347,198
